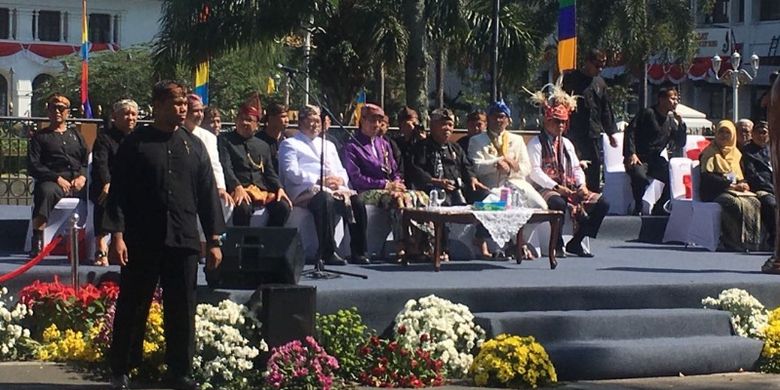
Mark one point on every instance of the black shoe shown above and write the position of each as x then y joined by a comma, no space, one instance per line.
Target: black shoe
120,382
36,245
181,383
362,259
334,259
578,250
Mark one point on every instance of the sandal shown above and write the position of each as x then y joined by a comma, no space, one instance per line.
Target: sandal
444,257
101,259
400,257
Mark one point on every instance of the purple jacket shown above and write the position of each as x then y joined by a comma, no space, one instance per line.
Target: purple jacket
366,170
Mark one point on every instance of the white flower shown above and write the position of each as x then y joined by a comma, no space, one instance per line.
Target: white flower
453,334
749,317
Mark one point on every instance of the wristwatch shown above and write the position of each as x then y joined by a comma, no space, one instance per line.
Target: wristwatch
214,243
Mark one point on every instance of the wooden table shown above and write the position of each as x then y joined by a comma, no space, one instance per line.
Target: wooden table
441,216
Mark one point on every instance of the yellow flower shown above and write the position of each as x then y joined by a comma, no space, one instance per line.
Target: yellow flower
513,361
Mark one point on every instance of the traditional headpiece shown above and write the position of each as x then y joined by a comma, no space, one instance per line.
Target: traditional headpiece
252,106
499,106
371,109
556,103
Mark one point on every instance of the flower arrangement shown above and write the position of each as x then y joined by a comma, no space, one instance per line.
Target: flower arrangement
15,341
453,335
513,361
748,315
223,356
342,334
60,304
388,364
770,354
301,365
68,345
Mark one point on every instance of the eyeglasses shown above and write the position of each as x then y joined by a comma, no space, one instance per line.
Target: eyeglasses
58,107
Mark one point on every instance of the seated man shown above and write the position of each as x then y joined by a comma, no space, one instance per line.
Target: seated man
500,159
438,163
276,121
744,132
757,167
649,133
249,172
299,162
556,171
476,123
57,160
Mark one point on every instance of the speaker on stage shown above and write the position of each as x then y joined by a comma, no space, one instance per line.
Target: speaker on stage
287,312
254,256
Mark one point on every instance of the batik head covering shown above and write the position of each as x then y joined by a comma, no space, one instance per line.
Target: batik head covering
499,106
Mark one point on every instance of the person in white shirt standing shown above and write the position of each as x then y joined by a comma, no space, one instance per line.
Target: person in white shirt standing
192,124
299,170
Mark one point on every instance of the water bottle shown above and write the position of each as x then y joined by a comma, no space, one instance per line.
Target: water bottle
506,196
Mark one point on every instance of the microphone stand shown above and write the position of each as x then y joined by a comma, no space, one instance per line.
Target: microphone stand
319,271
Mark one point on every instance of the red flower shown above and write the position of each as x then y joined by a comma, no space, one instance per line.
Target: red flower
402,329
424,337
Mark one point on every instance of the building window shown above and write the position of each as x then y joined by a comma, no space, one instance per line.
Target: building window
5,23
720,11
3,95
739,13
49,26
770,10
100,28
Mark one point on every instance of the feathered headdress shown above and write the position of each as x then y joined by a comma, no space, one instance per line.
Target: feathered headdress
555,102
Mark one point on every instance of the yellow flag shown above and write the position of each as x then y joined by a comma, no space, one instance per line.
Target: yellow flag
270,86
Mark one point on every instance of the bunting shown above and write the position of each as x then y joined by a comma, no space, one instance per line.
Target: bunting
567,35
85,106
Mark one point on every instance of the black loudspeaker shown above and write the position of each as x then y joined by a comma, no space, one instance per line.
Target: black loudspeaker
286,312
255,256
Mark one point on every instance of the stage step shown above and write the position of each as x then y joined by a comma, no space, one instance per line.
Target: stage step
624,343
554,326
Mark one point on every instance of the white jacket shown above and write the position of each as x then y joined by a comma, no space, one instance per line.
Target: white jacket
299,164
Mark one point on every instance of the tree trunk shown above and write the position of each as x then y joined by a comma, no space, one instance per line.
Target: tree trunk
441,68
379,84
414,78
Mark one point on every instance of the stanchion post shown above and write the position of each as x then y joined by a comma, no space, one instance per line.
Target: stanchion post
74,251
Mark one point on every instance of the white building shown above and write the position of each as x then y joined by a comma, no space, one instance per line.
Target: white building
749,26
33,33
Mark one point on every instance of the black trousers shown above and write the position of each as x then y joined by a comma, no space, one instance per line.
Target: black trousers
278,212
176,270
46,194
326,209
590,226
768,209
643,174
590,149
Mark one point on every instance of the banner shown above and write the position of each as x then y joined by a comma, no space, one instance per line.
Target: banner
567,35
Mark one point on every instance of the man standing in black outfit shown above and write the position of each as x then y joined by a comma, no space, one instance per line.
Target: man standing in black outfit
250,175
161,183
593,115
648,134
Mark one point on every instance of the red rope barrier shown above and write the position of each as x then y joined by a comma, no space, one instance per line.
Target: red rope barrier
37,259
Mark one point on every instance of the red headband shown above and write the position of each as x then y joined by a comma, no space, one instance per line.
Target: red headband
558,111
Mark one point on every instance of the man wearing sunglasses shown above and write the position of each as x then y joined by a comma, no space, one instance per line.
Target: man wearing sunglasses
57,160
593,115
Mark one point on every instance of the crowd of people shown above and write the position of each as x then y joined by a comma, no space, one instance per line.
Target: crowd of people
165,191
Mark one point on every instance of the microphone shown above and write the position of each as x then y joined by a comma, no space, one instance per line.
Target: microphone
287,69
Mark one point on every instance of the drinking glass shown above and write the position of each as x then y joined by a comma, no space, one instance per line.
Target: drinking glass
441,196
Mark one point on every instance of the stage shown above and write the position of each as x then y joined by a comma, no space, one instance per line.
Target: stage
636,305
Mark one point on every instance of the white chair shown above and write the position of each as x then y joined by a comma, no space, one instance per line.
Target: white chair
58,220
706,231
302,219
653,192
617,184
538,235
681,213
692,143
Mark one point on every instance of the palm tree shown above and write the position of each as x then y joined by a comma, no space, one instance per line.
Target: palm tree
523,26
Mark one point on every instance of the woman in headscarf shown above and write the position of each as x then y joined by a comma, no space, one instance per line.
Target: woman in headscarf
722,181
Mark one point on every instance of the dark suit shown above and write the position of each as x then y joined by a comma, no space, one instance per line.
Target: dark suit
757,168
161,184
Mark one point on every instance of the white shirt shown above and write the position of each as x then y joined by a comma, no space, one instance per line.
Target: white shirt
537,174
299,164
210,141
